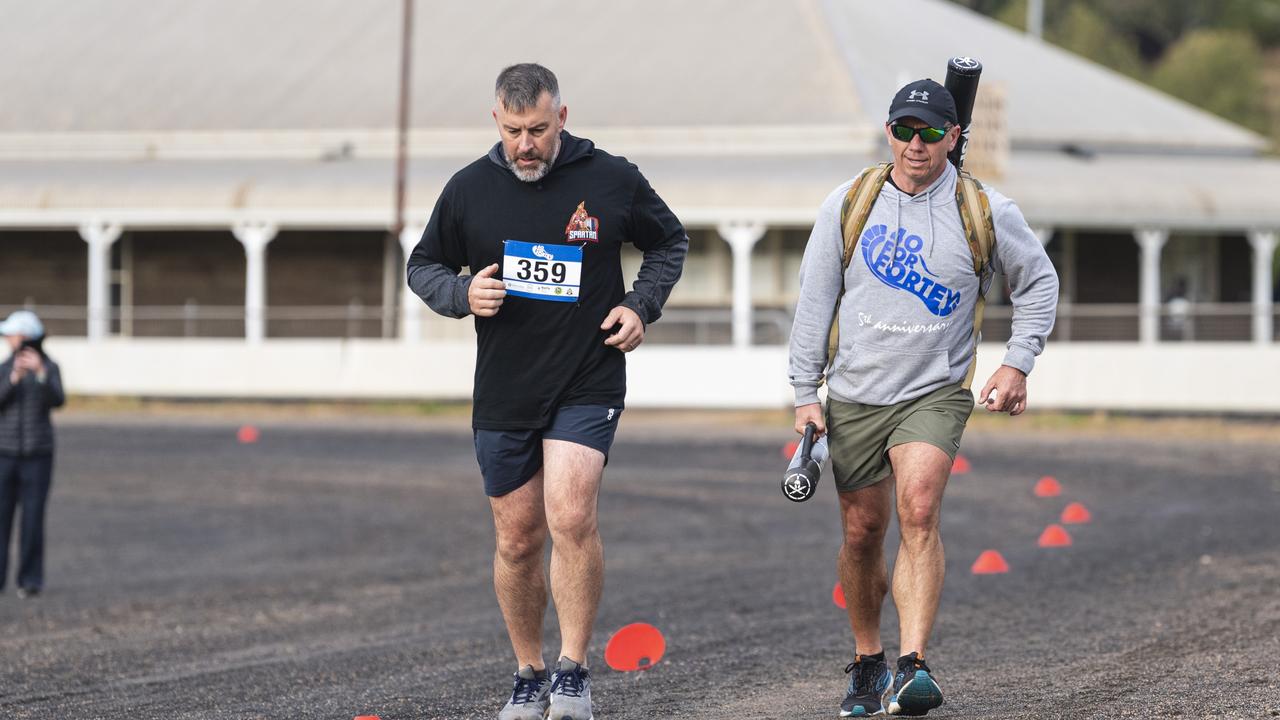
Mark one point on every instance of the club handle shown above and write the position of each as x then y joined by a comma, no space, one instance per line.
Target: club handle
806,442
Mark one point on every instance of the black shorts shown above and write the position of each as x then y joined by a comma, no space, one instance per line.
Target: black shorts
510,458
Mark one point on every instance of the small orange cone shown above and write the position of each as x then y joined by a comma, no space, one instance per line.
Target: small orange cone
960,466
1054,536
1048,487
837,596
367,717
1075,514
990,562
248,434
638,646
789,450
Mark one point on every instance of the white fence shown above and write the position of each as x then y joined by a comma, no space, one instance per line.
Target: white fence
1175,377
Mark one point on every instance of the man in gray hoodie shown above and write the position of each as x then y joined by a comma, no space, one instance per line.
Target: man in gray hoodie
898,395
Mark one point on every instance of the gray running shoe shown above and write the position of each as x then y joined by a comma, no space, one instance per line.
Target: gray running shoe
570,692
529,698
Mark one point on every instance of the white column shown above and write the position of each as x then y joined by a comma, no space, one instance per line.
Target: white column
255,237
1151,241
742,236
1264,248
100,236
410,303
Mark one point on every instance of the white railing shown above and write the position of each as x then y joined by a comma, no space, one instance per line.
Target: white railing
699,326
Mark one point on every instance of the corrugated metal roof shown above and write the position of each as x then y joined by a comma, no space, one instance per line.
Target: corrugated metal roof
226,65
1229,193
203,112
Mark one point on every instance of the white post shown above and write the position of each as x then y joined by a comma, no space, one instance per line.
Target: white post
1043,233
100,236
742,236
410,303
1151,241
1264,248
254,237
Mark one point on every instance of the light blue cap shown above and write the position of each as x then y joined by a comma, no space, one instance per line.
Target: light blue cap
23,322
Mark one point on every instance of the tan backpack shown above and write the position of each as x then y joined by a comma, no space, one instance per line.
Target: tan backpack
981,235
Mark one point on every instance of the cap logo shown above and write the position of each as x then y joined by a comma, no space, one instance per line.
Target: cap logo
922,94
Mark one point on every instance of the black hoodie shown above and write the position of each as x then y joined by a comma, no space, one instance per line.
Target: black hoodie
534,356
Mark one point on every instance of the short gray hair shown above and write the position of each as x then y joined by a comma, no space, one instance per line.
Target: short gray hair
520,86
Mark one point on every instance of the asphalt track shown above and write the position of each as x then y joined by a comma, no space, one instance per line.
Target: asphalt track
336,569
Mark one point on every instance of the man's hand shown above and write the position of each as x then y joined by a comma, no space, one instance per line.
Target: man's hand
1006,391
485,293
811,413
630,335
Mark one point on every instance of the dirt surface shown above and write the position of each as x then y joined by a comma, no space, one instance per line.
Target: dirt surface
341,566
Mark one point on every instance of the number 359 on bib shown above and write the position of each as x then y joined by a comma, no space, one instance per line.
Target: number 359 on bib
542,272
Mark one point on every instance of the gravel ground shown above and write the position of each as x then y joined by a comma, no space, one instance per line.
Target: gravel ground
338,568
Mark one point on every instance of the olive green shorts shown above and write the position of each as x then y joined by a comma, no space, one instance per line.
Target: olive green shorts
859,436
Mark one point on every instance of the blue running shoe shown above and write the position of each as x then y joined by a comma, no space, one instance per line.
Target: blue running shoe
914,690
869,685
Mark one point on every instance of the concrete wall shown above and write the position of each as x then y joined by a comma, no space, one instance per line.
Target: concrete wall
1205,377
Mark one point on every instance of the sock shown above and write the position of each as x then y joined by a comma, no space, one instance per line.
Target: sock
878,656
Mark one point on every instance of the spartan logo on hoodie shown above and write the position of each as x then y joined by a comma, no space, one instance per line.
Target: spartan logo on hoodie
895,259
582,226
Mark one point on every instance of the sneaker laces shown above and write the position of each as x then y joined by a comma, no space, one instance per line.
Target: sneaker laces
568,683
910,663
526,690
867,672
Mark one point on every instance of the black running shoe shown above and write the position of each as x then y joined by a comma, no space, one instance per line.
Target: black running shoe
869,685
914,690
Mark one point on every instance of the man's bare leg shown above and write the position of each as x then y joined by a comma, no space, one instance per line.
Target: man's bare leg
572,487
864,515
518,575
921,471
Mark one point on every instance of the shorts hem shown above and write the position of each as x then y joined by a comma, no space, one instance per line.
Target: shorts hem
861,484
576,440
903,440
508,488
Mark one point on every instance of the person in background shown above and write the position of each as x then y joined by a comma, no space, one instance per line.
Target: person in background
30,387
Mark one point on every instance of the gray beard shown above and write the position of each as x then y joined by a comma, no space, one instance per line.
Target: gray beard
535,173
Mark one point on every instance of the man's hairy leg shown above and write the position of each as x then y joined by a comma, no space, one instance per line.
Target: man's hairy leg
921,471
572,483
518,576
864,516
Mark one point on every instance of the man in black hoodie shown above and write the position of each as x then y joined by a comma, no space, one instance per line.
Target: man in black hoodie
540,222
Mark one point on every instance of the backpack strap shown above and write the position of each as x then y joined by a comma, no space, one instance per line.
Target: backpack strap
854,212
980,231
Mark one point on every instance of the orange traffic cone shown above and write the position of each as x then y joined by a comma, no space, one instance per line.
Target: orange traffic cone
1048,487
367,717
837,596
1075,514
960,466
248,434
1054,536
789,450
990,562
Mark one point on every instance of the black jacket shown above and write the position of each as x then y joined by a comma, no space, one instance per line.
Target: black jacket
534,356
24,410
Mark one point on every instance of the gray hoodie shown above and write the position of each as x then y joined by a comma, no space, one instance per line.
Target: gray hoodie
906,319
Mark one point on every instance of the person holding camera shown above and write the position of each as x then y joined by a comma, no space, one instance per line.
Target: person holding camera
30,387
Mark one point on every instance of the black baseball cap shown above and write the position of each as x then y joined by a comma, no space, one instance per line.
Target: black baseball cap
926,100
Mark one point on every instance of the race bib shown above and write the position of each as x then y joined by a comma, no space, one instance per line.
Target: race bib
542,272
